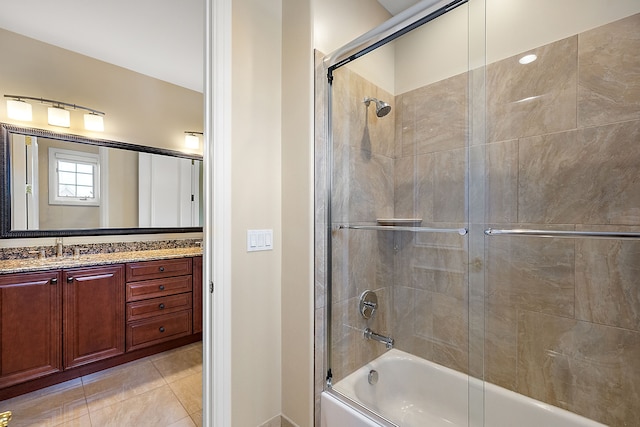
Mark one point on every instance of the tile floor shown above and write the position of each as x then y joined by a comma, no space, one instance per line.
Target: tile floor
163,390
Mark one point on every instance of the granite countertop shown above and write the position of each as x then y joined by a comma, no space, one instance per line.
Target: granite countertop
36,264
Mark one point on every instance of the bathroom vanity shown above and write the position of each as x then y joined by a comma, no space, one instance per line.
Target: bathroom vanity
64,318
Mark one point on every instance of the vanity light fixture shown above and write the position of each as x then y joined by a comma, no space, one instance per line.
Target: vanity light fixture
57,114
17,109
191,139
93,121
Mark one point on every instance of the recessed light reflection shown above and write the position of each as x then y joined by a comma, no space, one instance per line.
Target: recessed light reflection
527,59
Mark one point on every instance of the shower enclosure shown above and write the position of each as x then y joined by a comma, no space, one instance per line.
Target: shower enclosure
478,171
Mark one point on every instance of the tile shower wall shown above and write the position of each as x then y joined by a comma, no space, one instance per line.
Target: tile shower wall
562,316
363,183
431,285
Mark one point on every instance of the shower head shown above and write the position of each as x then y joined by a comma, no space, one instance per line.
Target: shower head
382,108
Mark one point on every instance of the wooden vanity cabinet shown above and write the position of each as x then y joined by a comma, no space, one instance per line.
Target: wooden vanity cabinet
61,324
93,314
30,313
159,301
197,294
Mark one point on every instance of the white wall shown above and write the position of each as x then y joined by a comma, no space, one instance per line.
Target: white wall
440,49
297,212
337,22
255,204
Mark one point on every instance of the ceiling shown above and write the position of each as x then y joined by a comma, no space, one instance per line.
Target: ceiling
159,38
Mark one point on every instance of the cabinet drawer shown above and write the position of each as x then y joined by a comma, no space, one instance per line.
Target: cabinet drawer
158,306
144,333
146,270
158,288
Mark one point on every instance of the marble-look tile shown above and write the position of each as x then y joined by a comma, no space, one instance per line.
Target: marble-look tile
405,183
532,274
59,404
587,176
354,124
609,77
154,408
450,321
501,185
590,369
449,190
176,366
500,345
108,387
370,261
404,317
608,282
434,117
533,99
370,184
424,191
188,390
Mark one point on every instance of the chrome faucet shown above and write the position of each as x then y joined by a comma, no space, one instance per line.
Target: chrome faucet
370,335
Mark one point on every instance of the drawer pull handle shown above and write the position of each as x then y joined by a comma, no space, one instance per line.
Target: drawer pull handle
69,279
162,287
161,268
161,306
53,281
161,329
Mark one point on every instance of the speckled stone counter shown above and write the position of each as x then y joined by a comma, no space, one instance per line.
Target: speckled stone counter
35,264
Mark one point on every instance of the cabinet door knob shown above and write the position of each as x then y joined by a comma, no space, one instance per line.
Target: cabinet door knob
161,268
161,329
161,306
162,287
53,281
69,279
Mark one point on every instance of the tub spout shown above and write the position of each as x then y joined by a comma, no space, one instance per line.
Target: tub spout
370,335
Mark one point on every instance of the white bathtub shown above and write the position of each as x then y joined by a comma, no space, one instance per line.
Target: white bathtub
413,392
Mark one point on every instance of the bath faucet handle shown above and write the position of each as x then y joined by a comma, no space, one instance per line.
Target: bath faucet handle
368,304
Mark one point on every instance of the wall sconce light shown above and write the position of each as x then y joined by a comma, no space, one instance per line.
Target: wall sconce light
191,139
57,115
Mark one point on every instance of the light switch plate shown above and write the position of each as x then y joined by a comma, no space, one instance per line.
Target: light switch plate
259,240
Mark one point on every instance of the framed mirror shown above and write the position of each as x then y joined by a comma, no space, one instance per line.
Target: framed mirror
55,184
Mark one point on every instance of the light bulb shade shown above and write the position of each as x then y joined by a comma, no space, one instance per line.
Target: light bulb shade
59,117
93,122
19,110
191,141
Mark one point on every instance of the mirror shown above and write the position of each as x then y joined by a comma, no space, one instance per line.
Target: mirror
66,185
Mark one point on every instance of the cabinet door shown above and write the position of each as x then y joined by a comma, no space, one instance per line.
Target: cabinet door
197,294
94,322
29,326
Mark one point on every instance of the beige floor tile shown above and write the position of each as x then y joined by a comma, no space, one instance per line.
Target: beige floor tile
83,421
177,365
52,406
114,385
188,390
197,418
158,407
185,422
